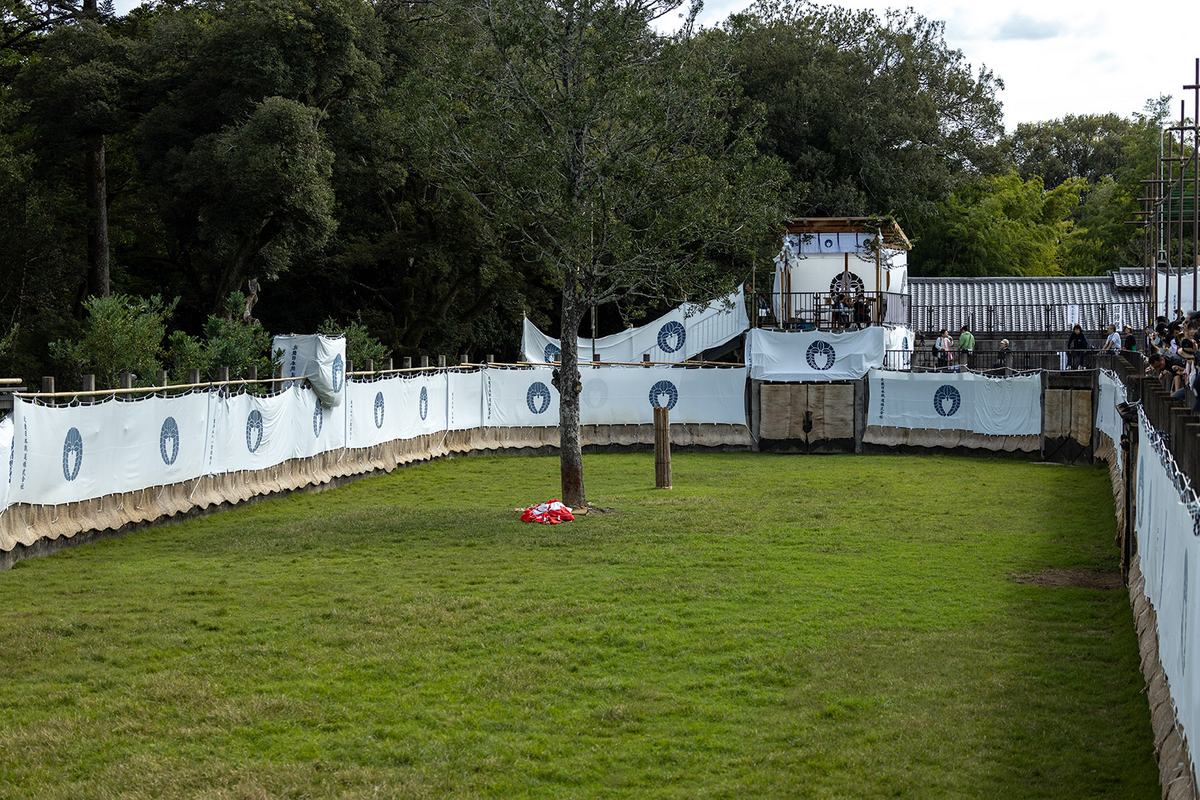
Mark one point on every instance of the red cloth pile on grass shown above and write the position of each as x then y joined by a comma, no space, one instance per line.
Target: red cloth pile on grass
550,513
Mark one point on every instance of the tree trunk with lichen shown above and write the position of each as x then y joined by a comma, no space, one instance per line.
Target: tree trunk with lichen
567,382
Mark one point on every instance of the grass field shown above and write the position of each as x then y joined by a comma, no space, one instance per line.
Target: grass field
772,627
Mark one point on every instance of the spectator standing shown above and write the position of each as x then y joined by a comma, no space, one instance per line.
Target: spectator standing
1130,341
966,346
941,348
1002,355
1077,346
1113,340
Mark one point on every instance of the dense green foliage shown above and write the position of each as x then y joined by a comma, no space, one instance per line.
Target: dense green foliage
872,115
772,627
121,334
432,170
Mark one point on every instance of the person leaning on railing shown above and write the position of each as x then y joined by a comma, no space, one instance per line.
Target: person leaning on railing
1113,340
1172,371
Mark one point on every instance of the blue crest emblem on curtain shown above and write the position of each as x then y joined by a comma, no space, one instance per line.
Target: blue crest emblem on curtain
671,337
318,420
820,355
423,403
72,454
254,430
378,410
339,373
550,352
538,398
168,441
946,401
664,395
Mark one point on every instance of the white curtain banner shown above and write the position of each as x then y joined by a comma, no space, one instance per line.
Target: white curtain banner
629,395
6,458
521,397
677,336
321,359
961,401
465,400
814,356
1169,549
250,432
1112,392
69,454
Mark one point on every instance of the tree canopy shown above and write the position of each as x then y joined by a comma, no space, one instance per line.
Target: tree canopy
606,154
430,171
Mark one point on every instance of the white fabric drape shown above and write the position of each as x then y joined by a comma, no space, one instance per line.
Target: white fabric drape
62,455
1112,392
70,454
321,359
963,401
6,459
677,336
814,356
1170,553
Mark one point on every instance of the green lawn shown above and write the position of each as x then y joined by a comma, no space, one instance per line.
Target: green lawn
775,626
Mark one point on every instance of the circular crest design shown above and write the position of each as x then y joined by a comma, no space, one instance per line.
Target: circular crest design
423,404
254,430
538,398
551,351
946,394
904,343
596,393
318,420
827,242
168,441
378,410
671,337
820,355
72,454
847,282
339,373
664,395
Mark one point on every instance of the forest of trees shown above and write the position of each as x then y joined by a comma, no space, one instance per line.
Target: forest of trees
427,171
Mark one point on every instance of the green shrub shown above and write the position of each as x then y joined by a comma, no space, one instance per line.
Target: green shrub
121,334
228,342
361,346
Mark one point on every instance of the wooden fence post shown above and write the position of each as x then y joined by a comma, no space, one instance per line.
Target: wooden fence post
662,448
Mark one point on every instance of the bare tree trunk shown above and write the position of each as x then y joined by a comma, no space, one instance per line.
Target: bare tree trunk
569,449
97,205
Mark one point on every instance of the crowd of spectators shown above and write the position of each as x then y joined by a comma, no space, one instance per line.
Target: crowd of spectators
1170,350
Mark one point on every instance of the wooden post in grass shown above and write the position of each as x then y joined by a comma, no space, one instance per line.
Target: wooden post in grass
662,448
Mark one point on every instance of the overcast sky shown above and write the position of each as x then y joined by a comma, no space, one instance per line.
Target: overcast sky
1056,57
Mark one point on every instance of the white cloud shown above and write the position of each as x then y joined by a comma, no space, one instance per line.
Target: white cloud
1021,27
